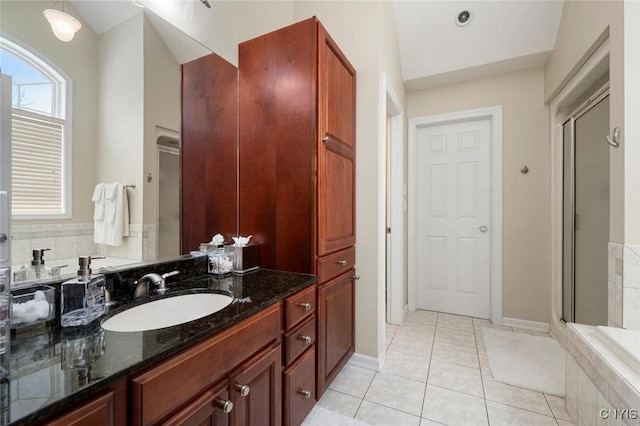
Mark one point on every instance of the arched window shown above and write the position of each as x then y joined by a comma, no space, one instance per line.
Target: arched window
40,145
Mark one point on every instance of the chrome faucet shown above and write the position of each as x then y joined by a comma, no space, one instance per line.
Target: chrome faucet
142,285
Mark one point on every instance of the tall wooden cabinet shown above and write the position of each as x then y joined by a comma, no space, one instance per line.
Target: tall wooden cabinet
297,171
208,150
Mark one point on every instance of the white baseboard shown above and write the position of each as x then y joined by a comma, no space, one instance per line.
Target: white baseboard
528,325
368,362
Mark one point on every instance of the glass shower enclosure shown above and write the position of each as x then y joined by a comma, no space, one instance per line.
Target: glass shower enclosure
586,211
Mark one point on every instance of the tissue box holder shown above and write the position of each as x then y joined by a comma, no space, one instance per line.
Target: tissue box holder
247,258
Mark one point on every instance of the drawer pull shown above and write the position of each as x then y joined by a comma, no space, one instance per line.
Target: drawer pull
306,339
355,277
225,406
306,306
341,262
243,390
305,393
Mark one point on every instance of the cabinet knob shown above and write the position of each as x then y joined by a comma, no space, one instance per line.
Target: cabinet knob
306,339
225,406
305,393
325,139
355,277
305,306
243,390
341,262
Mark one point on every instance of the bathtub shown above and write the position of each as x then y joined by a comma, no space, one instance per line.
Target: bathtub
623,343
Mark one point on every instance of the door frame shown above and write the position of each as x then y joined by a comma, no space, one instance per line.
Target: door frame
494,115
395,162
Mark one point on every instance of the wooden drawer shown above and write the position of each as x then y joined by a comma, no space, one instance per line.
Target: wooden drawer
299,306
158,392
299,388
298,340
335,264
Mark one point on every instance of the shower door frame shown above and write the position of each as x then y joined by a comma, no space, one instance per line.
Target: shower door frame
598,96
596,59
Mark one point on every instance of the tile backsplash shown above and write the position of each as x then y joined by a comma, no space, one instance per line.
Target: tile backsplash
71,240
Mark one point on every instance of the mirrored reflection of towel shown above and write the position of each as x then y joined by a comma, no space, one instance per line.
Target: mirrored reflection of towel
115,223
111,204
98,201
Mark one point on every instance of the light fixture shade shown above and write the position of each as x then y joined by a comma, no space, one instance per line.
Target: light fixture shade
63,25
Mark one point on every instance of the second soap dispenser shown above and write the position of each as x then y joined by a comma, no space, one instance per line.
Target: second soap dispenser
82,298
38,270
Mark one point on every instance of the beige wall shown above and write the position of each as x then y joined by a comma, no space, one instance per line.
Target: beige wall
526,197
120,109
23,20
162,79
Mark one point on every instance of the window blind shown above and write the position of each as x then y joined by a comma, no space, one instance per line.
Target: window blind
37,164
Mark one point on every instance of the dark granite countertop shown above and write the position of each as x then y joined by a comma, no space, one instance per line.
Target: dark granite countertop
55,368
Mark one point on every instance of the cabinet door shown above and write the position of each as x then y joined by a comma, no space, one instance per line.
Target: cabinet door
299,388
336,148
212,408
256,390
336,331
97,412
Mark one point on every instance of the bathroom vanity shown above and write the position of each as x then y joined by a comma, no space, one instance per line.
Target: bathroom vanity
251,363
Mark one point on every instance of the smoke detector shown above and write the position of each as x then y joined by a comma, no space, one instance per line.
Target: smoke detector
463,18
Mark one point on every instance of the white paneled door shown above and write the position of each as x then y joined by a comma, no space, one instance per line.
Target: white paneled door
453,212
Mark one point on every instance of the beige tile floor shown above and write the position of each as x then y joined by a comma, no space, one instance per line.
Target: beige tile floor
436,372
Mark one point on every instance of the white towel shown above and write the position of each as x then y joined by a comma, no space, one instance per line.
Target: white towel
112,193
115,223
98,200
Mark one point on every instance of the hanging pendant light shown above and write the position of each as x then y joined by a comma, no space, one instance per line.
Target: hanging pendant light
63,25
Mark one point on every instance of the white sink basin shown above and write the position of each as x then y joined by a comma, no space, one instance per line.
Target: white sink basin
167,312
623,343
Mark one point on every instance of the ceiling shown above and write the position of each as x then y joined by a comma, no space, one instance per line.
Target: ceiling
103,15
502,36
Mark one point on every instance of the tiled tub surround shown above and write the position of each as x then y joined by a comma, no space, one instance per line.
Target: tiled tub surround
40,385
597,380
70,240
624,285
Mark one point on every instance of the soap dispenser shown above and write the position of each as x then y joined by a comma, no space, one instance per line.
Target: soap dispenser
38,270
82,298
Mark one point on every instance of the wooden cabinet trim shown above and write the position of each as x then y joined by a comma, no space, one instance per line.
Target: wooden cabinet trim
192,371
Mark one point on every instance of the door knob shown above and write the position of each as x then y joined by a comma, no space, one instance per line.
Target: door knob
482,228
305,393
305,306
224,405
306,339
243,390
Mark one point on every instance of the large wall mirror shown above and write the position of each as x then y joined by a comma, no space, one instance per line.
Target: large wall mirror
102,108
